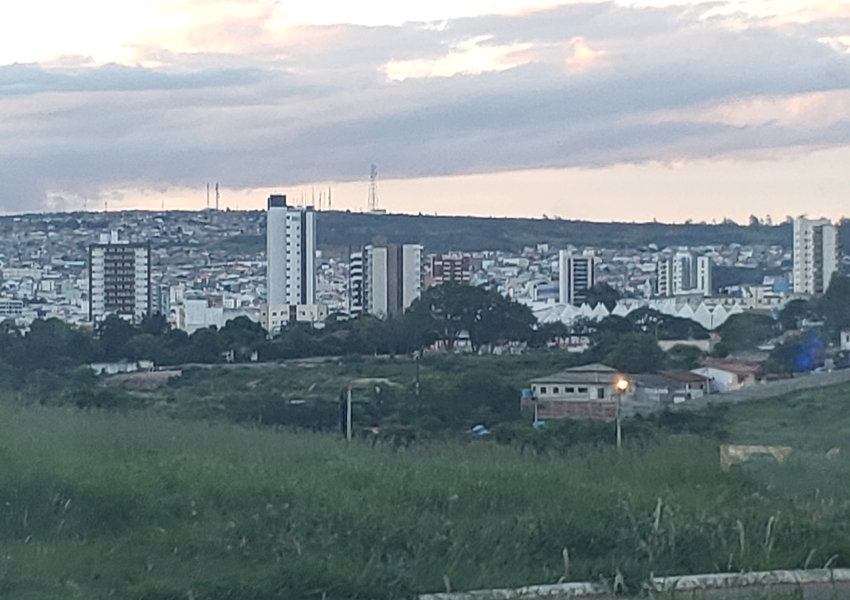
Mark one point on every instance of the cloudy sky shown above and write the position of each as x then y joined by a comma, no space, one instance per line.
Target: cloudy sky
617,110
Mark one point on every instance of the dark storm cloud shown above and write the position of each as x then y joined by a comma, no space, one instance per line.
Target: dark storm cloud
285,112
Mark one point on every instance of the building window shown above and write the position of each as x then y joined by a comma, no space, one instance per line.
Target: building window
582,390
543,390
569,390
600,393
555,390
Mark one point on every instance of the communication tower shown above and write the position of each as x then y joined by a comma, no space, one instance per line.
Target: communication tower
372,205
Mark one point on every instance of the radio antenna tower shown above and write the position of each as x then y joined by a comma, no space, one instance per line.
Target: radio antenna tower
217,196
372,205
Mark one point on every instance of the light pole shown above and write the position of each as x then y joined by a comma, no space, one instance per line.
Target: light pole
622,385
348,414
360,383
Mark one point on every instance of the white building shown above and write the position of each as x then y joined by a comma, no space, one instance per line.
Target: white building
276,318
664,281
119,279
199,313
703,280
391,278
683,268
684,274
291,253
816,255
575,277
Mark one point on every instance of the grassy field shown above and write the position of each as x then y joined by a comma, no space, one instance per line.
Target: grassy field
97,504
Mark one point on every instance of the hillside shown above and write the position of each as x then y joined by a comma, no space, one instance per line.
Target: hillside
440,234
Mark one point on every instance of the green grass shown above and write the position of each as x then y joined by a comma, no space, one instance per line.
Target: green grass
136,505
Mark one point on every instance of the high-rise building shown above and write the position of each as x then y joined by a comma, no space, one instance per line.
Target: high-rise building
291,253
453,267
356,300
683,269
119,279
664,277
816,255
684,273
391,278
704,279
575,277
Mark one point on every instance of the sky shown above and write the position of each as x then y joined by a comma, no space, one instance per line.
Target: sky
620,110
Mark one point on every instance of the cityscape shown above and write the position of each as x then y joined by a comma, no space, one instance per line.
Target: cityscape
179,265
456,300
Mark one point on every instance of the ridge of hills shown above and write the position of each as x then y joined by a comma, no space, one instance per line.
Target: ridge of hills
443,233
338,229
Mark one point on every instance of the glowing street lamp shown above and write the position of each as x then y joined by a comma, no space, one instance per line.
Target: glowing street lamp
622,385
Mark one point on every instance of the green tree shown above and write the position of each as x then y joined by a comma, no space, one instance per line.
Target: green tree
834,305
243,336
114,333
630,352
205,346
746,331
445,311
801,355
794,312
154,324
604,293
683,357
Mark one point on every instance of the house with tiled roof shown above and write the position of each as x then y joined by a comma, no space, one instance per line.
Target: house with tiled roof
585,392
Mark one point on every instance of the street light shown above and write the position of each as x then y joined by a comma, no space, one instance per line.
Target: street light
622,385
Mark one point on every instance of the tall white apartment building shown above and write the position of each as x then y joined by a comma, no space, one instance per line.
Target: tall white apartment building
683,268
119,279
816,255
684,273
385,280
575,277
291,253
703,280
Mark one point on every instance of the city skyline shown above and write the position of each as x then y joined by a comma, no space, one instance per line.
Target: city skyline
606,111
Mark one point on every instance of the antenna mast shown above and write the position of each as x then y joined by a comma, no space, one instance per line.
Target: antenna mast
372,205
208,196
217,196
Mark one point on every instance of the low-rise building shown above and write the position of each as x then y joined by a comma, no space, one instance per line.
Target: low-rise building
585,392
274,318
730,374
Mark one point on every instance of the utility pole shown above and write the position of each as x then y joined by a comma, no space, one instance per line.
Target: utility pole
348,414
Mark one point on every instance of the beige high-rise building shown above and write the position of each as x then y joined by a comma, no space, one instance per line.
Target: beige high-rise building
391,278
816,255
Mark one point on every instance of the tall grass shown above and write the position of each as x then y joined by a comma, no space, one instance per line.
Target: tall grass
105,505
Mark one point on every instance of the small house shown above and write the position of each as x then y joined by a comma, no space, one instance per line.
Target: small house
585,392
730,374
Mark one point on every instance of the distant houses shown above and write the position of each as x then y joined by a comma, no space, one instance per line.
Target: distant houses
592,391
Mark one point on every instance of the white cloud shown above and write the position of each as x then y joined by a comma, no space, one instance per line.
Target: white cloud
238,94
468,57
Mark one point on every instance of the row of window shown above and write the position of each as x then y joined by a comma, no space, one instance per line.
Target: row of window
600,392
